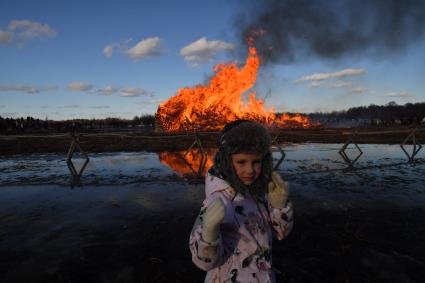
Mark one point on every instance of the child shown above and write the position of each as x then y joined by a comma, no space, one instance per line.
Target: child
245,204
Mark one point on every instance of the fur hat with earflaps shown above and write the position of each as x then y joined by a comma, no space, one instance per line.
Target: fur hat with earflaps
244,136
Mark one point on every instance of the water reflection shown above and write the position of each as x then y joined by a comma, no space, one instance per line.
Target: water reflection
135,167
192,162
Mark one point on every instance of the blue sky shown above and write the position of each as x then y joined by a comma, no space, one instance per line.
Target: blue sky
96,59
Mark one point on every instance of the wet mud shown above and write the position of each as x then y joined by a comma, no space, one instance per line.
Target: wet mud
362,225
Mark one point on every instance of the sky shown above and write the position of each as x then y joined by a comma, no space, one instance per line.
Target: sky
95,59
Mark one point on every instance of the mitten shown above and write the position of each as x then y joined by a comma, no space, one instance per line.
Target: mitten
211,220
278,191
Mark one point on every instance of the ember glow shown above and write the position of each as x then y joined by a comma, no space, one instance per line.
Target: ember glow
211,106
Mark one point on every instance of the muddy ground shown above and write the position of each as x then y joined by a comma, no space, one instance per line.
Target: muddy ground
364,225
125,141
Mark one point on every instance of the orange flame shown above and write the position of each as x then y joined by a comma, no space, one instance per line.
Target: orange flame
189,164
221,101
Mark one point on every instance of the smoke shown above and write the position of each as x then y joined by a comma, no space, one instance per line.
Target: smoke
331,29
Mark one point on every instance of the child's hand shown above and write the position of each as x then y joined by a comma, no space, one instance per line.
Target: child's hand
211,220
278,191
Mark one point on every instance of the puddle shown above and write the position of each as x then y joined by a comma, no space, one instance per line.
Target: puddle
131,218
133,167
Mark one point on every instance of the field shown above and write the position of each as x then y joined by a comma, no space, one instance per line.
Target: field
125,141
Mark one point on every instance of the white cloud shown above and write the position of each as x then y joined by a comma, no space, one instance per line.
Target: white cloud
70,106
133,92
202,50
107,51
110,113
151,102
27,29
20,31
337,84
107,90
398,94
145,48
325,76
100,107
26,88
121,47
5,37
10,114
340,84
359,90
124,92
314,85
80,86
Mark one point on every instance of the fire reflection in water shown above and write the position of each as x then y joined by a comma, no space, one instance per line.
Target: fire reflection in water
193,163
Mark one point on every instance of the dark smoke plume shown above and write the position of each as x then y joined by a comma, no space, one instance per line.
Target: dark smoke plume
331,28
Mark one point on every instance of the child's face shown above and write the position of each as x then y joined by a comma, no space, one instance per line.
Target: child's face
247,166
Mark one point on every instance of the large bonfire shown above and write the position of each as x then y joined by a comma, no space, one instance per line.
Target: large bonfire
222,100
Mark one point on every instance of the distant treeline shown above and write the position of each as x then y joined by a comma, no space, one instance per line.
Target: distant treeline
389,114
384,112
30,124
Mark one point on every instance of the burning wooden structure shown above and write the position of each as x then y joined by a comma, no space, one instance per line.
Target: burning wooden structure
211,106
